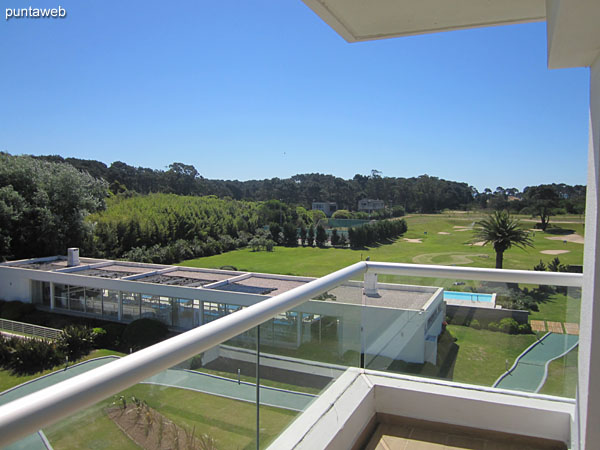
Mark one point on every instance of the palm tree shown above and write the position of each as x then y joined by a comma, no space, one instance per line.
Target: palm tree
503,232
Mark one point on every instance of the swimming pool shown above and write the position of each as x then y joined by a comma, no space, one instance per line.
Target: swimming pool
468,296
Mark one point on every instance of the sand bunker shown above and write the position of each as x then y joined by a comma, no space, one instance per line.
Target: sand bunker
448,258
555,252
442,232
459,227
576,238
414,241
477,244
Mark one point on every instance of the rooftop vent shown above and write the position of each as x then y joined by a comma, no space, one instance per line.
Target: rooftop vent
371,285
72,257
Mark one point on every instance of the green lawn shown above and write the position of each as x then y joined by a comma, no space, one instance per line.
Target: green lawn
562,376
230,422
8,380
466,355
560,307
477,356
445,249
482,354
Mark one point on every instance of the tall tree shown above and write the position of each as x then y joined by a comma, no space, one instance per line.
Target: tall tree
503,232
543,199
321,236
311,236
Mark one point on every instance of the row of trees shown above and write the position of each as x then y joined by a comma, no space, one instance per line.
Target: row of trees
417,194
376,232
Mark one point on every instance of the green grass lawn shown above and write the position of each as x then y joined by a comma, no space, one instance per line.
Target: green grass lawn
466,355
482,354
230,422
562,376
560,308
9,380
445,249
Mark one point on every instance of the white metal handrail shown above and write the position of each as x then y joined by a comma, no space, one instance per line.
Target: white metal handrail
29,329
29,414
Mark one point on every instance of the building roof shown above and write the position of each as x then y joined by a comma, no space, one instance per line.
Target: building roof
389,295
256,284
414,299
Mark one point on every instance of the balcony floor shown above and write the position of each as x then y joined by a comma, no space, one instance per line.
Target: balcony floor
399,433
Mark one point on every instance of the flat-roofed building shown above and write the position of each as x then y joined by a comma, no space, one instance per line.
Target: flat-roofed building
369,205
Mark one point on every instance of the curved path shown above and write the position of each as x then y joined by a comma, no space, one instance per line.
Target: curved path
227,387
530,369
183,379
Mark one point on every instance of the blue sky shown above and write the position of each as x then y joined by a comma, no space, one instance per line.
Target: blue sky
259,89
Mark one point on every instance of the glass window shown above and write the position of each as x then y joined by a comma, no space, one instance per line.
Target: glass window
61,296
77,298
131,306
93,301
183,313
110,303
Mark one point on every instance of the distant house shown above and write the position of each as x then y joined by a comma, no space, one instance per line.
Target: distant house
327,207
369,205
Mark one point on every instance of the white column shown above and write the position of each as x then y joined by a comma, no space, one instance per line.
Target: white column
589,339
298,329
51,295
120,314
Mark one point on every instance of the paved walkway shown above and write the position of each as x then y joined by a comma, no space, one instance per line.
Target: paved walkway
183,379
227,387
38,440
555,327
530,370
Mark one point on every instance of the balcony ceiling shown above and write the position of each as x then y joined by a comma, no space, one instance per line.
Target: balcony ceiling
362,20
573,33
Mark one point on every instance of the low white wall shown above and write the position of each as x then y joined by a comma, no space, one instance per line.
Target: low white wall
339,416
15,286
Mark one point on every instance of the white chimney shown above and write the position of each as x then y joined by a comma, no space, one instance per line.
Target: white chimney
371,284
72,257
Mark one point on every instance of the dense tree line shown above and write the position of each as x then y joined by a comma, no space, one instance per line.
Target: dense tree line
425,194
165,228
543,200
166,216
376,232
43,206
417,194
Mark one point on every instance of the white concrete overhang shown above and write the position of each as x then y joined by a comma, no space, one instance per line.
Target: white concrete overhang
360,20
573,33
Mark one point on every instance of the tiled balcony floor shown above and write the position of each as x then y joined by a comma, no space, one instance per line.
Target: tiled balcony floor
396,433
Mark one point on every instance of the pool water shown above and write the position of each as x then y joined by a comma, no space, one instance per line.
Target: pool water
467,296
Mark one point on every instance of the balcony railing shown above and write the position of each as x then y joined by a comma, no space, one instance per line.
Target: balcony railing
28,414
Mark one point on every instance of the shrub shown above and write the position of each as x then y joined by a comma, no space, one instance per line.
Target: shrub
15,310
75,341
509,325
525,328
33,355
99,335
143,333
196,362
7,345
112,338
475,324
493,326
